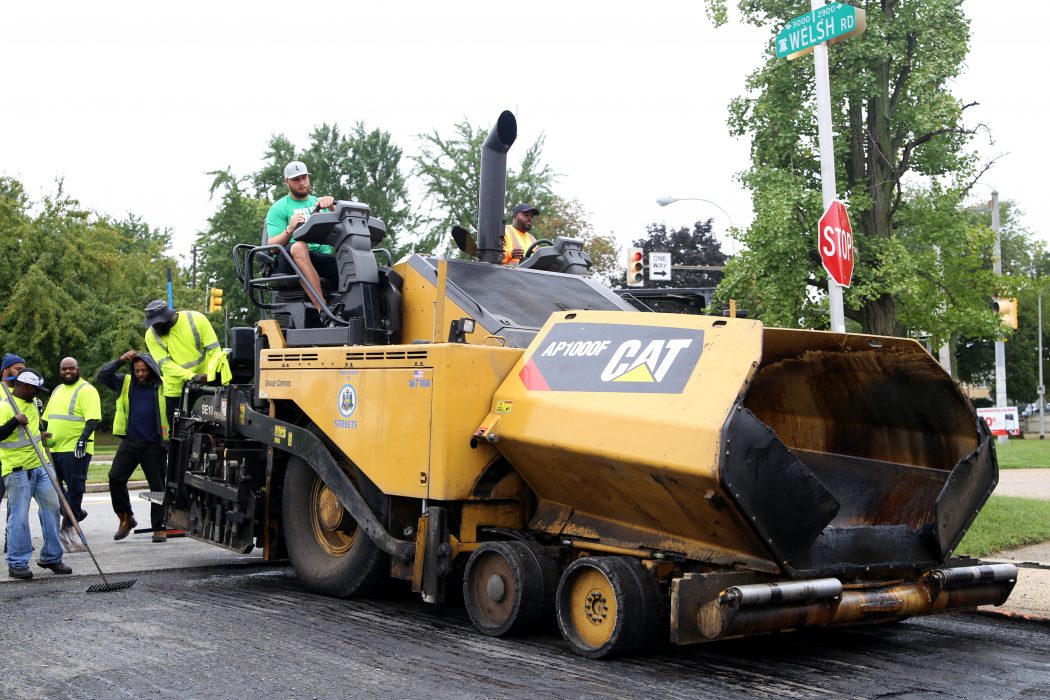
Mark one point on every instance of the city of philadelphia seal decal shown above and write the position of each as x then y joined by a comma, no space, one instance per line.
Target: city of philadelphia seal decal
347,400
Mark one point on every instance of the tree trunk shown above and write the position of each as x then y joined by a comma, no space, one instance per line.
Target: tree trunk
879,316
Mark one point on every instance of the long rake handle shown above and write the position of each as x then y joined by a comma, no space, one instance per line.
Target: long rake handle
54,482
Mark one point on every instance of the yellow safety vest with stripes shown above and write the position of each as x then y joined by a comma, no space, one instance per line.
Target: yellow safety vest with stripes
190,348
15,450
69,407
513,238
120,418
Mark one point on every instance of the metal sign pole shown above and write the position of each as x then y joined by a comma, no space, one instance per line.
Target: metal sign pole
827,161
1000,345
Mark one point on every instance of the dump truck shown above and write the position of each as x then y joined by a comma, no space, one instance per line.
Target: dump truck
522,438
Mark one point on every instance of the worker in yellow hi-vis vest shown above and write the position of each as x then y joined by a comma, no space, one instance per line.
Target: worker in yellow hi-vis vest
516,236
185,347
72,414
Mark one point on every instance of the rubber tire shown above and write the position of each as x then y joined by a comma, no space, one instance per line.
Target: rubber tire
533,578
637,602
355,573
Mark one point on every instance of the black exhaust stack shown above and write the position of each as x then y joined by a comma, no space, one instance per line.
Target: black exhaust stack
493,188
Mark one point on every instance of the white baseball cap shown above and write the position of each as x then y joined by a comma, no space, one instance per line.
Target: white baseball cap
32,378
295,169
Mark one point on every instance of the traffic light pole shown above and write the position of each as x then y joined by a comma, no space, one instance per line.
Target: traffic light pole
1000,345
827,162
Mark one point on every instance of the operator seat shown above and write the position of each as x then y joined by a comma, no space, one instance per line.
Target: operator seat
293,307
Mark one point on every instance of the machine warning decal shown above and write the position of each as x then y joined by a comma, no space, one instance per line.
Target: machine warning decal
504,406
347,402
614,358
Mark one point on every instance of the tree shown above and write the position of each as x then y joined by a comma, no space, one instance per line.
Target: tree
239,219
1026,270
697,246
74,283
450,168
895,118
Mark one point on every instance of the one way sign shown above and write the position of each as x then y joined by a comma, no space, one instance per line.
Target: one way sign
659,266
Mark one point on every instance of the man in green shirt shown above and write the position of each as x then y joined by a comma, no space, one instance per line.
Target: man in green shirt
286,215
71,416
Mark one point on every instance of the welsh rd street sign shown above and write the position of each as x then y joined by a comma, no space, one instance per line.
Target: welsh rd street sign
835,241
831,23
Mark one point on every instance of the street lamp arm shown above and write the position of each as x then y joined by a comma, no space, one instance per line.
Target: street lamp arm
664,201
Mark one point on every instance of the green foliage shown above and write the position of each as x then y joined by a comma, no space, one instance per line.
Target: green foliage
74,283
894,117
1026,268
239,219
1007,523
450,170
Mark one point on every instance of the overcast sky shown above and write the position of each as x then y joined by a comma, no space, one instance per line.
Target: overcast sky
133,102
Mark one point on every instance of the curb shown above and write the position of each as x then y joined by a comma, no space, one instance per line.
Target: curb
104,487
1013,615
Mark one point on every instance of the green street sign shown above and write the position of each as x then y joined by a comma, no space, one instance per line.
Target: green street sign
832,23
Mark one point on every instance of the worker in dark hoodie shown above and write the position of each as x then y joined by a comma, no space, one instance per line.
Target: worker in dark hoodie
142,422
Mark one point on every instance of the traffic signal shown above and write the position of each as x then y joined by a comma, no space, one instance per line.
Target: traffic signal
1007,308
214,300
635,268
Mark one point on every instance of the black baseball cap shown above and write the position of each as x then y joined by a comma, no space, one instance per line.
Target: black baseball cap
519,208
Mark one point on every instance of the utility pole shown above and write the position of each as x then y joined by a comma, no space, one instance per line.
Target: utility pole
193,274
1042,387
1000,345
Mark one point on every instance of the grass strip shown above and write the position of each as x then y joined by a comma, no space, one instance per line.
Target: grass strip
99,474
1007,522
1023,454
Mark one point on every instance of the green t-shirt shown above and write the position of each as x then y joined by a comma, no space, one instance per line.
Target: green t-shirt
282,212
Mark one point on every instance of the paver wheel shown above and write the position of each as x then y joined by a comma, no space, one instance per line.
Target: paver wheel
607,606
331,555
508,587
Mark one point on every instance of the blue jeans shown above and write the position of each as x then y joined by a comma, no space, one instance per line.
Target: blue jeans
23,486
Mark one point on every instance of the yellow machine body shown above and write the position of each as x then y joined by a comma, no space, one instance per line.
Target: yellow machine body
404,414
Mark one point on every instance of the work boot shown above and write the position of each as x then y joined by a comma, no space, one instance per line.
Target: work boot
22,572
160,536
127,524
70,540
56,566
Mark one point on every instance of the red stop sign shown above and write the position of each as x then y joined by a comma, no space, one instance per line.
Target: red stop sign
835,242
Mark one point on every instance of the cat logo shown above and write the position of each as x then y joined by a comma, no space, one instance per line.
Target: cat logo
631,363
608,357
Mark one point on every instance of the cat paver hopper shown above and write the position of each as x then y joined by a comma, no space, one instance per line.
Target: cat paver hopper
523,433
808,478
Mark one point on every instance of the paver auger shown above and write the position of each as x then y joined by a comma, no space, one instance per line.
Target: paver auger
526,435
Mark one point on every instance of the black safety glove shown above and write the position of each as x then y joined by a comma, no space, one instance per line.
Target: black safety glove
80,451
